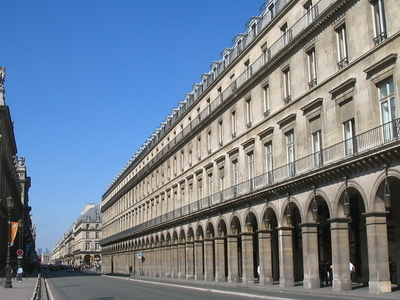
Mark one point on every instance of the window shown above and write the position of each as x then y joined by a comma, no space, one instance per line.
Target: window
209,105
266,100
342,46
88,247
317,147
233,123
97,234
222,179
309,16
286,34
220,96
290,152
349,137
388,108
182,160
235,171
199,148
209,141
269,162
210,184
249,113
220,133
250,159
248,69
312,69
87,234
199,189
380,21
286,86
97,247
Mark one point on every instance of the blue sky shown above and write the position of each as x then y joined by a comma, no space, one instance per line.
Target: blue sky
89,81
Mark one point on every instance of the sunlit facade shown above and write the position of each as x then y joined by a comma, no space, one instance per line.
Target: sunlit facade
284,156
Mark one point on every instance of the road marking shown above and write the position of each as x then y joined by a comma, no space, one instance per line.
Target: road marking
204,289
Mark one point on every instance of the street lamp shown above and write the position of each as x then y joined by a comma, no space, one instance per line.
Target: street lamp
10,206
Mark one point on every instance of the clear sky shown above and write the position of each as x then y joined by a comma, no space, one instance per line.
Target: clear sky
88,81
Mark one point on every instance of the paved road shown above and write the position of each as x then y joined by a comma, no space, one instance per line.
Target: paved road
76,286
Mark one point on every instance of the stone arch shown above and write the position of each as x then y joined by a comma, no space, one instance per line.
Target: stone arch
210,231
222,229
199,232
190,234
235,225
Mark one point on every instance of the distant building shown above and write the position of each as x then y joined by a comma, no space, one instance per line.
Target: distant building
285,155
80,243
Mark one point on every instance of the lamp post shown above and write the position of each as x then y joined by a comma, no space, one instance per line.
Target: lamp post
10,206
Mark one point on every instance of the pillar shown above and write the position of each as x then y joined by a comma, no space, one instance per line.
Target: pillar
378,256
265,254
248,257
209,260
174,261
198,260
310,255
182,260
340,254
285,239
220,275
189,260
233,258
168,264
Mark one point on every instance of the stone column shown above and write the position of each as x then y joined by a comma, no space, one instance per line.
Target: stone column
378,256
285,239
340,254
247,257
233,259
182,260
265,253
162,261
151,261
189,260
310,255
220,259
168,264
198,260
209,259
157,271
174,260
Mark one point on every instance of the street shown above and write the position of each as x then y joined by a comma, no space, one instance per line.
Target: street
63,285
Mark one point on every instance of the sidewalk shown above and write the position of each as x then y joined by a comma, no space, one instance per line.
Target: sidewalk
20,290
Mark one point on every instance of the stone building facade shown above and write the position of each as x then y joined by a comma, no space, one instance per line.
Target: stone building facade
284,159
80,243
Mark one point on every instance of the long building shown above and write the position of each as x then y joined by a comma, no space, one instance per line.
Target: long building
283,161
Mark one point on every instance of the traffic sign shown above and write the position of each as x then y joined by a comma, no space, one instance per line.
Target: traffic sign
139,255
20,252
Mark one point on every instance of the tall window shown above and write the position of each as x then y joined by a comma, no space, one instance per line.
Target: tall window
249,113
388,108
380,21
210,184
308,8
233,123
88,247
266,100
220,133
286,86
209,141
290,152
200,189
317,147
235,172
182,160
222,180
312,69
342,46
349,137
199,148
269,162
250,158
286,34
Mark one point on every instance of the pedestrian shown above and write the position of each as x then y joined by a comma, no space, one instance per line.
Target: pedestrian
352,271
258,271
20,271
